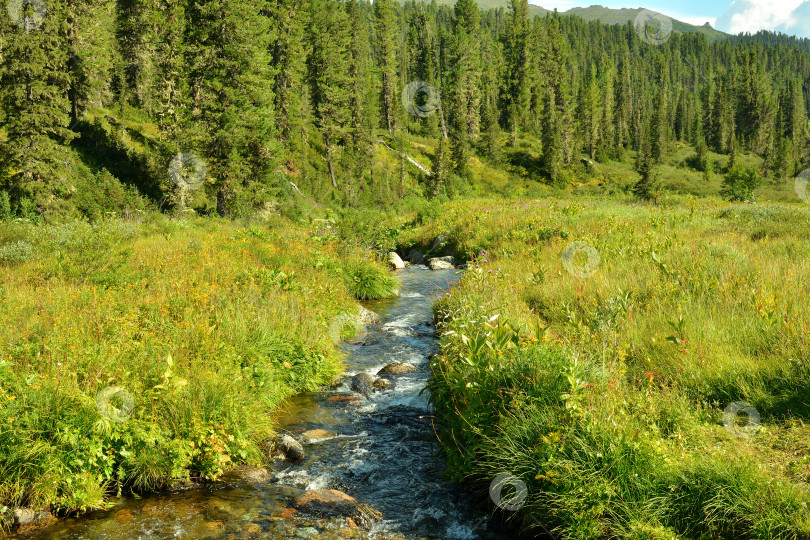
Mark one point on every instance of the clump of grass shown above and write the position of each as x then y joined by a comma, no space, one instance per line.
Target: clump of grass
366,280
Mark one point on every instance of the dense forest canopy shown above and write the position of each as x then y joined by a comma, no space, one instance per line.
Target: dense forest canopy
99,98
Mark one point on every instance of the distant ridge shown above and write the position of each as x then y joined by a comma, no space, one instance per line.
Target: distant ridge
605,15
621,16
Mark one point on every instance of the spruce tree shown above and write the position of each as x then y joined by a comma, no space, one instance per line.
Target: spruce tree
442,168
232,119
658,135
516,49
288,55
34,89
648,187
387,33
492,71
552,141
329,75
362,93
622,109
464,80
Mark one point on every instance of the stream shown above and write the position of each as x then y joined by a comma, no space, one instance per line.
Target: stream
381,451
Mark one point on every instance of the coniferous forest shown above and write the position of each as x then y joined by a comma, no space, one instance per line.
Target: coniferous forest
315,92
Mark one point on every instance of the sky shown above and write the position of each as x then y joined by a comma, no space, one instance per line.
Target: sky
786,16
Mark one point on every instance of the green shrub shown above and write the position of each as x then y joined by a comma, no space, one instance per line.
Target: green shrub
16,252
739,184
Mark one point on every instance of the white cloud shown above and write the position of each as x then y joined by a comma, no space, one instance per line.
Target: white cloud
789,16
799,23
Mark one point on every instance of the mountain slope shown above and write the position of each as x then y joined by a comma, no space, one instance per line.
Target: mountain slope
602,14
621,16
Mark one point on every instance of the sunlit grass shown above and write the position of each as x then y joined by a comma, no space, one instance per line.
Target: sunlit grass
695,304
208,325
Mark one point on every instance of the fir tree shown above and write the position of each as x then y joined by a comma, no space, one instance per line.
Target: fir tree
387,33
517,84
552,142
648,187
232,118
34,90
329,75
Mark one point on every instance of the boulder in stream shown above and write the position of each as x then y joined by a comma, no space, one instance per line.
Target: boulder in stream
395,261
328,502
441,263
382,384
363,383
291,448
345,398
251,475
368,317
397,368
26,519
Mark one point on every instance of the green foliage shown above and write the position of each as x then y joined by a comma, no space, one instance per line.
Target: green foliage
365,280
206,349
16,252
608,405
739,184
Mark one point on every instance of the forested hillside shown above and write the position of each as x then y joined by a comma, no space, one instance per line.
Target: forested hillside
226,105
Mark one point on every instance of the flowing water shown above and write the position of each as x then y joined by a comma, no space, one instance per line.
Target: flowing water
383,453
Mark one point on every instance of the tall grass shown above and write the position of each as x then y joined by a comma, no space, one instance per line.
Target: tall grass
605,394
207,325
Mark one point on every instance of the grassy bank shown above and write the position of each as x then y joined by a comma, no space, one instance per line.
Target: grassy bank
196,328
602,389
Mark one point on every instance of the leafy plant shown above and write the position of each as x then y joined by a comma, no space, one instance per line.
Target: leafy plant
679,326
